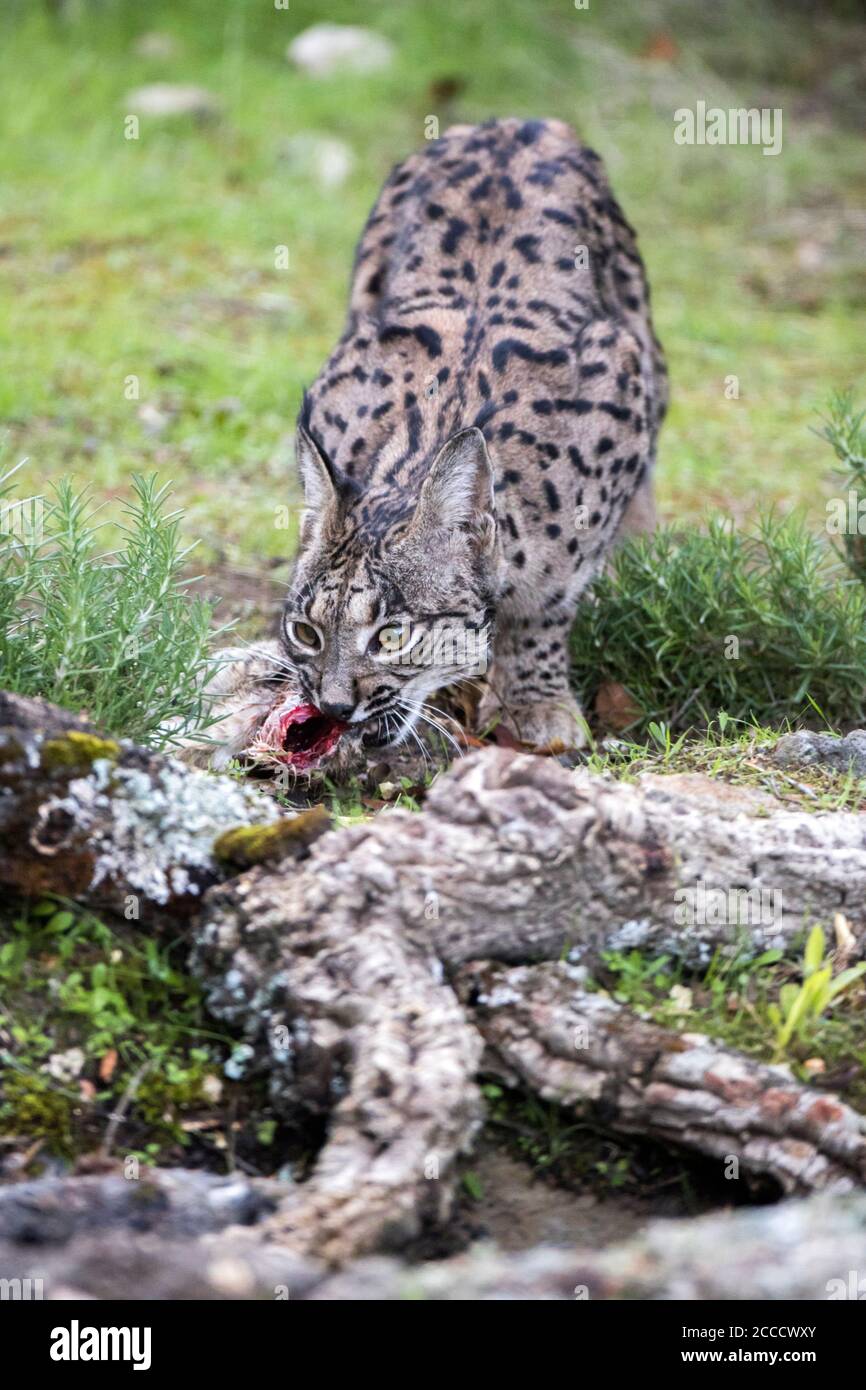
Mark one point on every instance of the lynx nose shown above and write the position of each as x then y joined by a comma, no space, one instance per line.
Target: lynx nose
337,711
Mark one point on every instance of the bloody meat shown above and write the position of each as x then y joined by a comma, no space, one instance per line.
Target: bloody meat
300,736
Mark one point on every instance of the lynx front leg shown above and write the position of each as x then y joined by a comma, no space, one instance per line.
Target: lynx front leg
527,685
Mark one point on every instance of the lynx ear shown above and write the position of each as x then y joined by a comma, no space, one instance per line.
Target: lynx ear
458,490
316,474
325,488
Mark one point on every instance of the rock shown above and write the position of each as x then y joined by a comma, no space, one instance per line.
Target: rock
321,158
155,45
806,749
327,49
172,99
153,420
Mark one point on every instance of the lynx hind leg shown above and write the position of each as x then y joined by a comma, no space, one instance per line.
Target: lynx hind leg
238,695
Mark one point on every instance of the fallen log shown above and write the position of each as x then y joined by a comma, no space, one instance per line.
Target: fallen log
336,969
351,1019
491,869
575,1048
803,1250
512,858
173,1203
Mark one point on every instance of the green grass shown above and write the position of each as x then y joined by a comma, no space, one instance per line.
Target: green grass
154,258
728,753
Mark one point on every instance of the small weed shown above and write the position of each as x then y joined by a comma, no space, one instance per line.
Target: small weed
802,1007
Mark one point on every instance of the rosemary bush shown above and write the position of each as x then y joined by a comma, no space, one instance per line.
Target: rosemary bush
116,634
768,626
845,430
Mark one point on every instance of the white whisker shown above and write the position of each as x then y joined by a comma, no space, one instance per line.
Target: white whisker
420,711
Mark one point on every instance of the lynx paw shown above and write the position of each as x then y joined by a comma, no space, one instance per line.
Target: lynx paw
549,725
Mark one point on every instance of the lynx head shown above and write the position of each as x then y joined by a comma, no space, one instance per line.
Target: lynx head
394,588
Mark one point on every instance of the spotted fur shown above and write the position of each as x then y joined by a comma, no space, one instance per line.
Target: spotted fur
472,446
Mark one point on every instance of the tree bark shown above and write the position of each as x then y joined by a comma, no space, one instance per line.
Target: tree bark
173,1203
513,857
104,822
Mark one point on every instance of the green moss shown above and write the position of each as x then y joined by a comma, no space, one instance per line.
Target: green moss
77,750
254,844
39,1110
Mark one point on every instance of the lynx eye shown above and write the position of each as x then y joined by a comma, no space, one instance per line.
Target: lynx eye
304,635
390,640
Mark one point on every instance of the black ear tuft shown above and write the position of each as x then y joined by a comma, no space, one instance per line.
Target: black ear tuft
323,483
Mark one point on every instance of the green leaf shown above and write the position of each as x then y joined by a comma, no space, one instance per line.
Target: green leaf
768,958
61,921
815,990
845,978
473,1185
814,953
788,996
